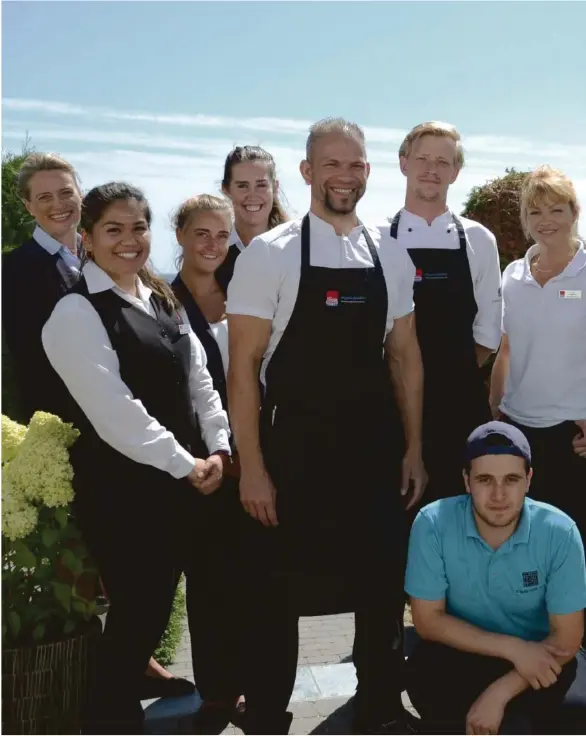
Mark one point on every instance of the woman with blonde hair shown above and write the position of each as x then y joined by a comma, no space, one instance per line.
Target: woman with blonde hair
539,377
203,225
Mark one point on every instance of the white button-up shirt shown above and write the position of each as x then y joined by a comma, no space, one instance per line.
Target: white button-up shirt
52,246
266,275
80,351
236,240
546,328
483,257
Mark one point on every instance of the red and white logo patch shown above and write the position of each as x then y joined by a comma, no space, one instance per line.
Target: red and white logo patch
332,298
418,275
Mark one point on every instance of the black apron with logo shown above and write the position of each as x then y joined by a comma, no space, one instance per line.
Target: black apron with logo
455,398
332,440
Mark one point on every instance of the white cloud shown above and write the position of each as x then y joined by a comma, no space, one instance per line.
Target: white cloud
173,157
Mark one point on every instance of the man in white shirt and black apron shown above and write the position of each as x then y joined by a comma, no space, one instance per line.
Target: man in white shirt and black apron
315,304
457,294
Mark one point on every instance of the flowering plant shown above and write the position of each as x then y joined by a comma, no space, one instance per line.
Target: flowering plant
48,584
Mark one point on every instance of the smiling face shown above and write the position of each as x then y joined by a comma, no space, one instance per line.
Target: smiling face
252,192
498,485
120,241
550,222
431,167
55,202
337,173
204,240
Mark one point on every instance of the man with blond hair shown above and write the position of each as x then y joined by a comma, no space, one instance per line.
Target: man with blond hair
457,295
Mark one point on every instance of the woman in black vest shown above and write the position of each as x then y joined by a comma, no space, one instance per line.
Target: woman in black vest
203,225
250,182
154,439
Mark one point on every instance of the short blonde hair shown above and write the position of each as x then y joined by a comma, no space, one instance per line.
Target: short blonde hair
546,183
438,129
42,162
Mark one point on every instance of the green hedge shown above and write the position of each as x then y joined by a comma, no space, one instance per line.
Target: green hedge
167,649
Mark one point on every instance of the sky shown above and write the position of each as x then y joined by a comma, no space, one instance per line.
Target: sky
157,93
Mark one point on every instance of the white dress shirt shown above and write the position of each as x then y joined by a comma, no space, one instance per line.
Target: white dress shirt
79,349
236,240
52,246
483,257
266,274
546,328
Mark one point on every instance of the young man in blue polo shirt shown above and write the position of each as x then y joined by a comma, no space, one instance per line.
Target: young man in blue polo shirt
498,587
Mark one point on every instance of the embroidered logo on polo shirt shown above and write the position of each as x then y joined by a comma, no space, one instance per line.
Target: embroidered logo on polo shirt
332,298
530,579
418,275
570,294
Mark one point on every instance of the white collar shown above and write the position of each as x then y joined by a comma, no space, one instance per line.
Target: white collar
97,280
323,227
49,243
577,264
415,221
236,240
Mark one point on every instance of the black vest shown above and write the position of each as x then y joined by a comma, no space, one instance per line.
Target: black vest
155,360
225,270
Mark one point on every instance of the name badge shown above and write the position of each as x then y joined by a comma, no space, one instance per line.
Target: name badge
570,294
184,329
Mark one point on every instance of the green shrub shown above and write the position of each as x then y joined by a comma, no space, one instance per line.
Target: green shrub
495,205
167,649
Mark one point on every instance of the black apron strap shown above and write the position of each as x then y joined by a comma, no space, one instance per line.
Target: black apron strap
395,225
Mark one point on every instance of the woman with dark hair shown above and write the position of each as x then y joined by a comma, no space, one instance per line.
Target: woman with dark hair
250,182
153,442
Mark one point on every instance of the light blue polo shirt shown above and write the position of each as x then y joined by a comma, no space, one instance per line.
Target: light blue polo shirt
538,571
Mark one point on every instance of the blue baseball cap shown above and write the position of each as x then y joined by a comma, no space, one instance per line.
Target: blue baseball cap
497,438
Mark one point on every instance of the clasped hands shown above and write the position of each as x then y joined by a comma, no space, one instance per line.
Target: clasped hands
207,475
538,663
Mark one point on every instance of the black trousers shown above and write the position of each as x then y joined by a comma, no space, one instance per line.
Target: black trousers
137,549
272,647
140,553
340,546
559,475
215,589
443,683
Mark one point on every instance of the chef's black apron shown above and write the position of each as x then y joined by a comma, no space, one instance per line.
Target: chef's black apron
332,443
455,397
136,519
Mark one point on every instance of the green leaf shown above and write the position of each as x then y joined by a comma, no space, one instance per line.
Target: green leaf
63,594
71,562
39,632
14,623
69,626
62,516
49,536
79,605
23,557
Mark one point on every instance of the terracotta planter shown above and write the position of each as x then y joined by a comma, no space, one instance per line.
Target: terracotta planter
44,687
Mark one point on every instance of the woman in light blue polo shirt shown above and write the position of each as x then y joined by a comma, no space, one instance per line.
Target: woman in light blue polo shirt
539,376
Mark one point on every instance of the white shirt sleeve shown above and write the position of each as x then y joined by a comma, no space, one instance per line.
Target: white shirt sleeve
207,404
487,289
79,349
254,288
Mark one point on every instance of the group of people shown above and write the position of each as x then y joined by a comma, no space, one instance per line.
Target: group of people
270,423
